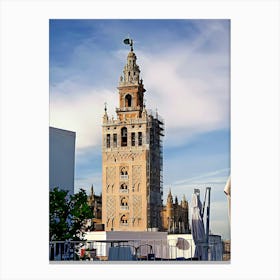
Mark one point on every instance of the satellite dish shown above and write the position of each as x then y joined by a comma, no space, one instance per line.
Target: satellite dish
182,244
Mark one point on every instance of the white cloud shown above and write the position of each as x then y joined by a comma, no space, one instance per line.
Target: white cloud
205,177
187,82
191,98
81,112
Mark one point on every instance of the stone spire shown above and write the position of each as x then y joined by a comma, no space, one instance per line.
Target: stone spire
184,202
91,197
91,191
131,89
131,71
105,116
169,198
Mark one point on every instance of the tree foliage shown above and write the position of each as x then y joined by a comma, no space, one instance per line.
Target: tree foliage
68,215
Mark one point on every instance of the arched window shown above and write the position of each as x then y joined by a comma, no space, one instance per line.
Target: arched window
108,141
128,100
115,143
123,171
139,138
124,136
123,174
124,219
124,201
124,186
132,138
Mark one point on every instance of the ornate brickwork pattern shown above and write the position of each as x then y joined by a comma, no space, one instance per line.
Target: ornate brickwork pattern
137,206
110,177
136,177
111,207
124,156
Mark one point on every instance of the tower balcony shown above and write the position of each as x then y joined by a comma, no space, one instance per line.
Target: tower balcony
114,122
124,208
123,190
132,82
123,177
128,109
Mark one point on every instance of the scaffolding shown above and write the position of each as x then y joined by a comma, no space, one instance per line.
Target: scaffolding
155,169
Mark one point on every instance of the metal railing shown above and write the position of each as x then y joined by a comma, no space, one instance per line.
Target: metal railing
123,177
140,250
123,190
124,207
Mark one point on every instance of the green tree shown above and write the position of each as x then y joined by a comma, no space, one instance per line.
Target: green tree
68,215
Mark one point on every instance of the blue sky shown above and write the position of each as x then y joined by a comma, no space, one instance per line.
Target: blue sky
185,66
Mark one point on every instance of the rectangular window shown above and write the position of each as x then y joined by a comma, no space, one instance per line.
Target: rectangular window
139,138
108,141
115,143
124,137
133,139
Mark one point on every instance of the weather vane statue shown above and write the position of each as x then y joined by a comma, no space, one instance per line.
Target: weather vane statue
128,41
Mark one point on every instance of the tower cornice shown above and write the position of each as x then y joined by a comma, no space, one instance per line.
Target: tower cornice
129,87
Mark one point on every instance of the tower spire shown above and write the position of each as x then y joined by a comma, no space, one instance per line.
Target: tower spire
131,70
131,88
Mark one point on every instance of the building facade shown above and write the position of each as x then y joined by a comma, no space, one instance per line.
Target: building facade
95,203
175,216
132,158
61,159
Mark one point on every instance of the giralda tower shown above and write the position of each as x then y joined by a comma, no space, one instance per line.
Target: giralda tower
132,158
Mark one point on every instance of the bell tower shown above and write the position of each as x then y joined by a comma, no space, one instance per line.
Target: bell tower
131,158
131,90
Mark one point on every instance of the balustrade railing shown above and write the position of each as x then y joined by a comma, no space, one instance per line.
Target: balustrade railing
122,207
123,190
99,250
124,177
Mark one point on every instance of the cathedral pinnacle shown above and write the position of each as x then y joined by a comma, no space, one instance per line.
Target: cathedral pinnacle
170,194
169,197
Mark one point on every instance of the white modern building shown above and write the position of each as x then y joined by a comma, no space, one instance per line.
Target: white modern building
61,159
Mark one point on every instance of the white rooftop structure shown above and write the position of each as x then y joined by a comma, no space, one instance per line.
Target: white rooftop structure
144,242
